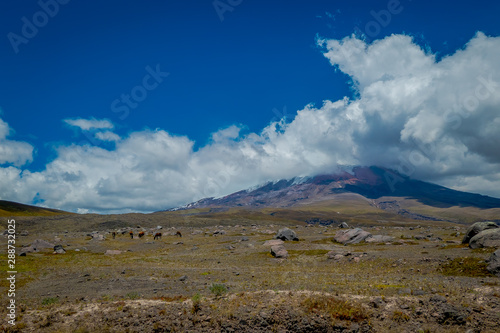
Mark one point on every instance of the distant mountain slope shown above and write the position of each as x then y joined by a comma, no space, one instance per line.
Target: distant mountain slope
9,208
372,183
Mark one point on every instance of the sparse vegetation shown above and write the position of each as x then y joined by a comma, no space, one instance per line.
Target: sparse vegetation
335,308
218,289
196,299
307,286
50,300
400,316
474,267
132,295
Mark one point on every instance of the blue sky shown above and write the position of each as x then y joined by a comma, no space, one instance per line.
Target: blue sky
233,68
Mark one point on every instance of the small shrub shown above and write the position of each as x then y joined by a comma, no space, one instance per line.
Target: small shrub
132,295
196,303
400,316
50,300
335,308
218,289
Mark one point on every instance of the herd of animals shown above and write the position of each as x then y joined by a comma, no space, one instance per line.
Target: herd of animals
157,235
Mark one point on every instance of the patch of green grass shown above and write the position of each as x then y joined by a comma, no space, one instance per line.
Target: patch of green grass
386,286
474,267
196,303
317,252
484,250
324,241
335,308
454,246
132,295
218,289
50,300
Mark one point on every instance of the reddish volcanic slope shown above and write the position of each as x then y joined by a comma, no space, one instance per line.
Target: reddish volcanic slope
369,182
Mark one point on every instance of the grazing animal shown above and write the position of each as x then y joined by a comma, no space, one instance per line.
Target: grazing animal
178,233
131,235
141,234
113,234
157,236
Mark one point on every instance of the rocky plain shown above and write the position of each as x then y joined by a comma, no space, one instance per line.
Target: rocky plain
250,275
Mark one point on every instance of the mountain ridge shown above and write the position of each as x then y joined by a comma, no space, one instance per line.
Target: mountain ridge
373,183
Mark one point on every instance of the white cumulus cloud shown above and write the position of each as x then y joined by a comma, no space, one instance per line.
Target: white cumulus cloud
433,120
13,152
88,124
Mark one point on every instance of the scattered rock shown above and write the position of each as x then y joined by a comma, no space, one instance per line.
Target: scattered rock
286,234
476,228
219,232
197,232
183,278
112,252
486,238
279,251
438,299
229,247
378,302
351,236
24,233
379,239
178,243
41,244
343,225
245,239
451,315
97,237
27,249
494,263
59,249
336,254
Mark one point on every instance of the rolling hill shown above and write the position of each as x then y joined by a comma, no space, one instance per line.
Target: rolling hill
9,208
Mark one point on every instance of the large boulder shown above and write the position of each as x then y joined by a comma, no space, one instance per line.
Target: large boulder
494,263
58,249
112,252
286,234
486,238
476,228
98,237
351,236
379,239
279,251
41,244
